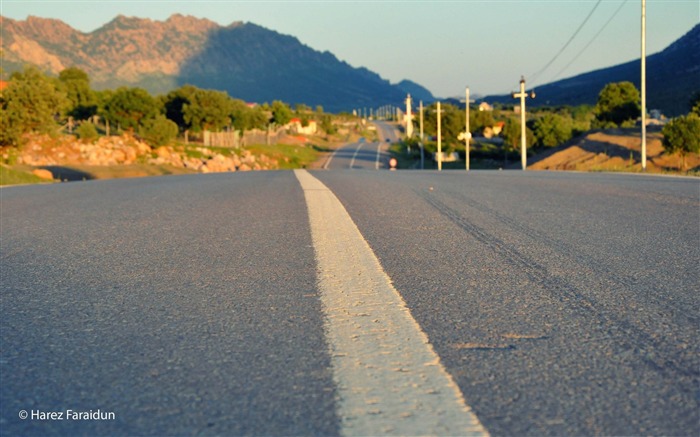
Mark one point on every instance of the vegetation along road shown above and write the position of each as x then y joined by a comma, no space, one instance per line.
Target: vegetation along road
357,302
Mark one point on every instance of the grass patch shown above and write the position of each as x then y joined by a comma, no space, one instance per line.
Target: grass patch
288,156
10,176
198,151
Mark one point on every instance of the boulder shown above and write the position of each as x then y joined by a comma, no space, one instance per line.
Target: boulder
162,152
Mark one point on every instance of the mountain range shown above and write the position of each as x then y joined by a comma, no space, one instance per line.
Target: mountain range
256,64
246,60
673,76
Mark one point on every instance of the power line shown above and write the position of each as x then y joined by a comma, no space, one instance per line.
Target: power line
591,41
536,75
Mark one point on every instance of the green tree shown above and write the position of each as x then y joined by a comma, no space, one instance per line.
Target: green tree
208,110
452,120
478,120
327,124
83,101
582,117
551,129
695,103
617,103
158,131
300,108
130,107
682,136
87,131
174,103
246,118
32,102
281,113
512,133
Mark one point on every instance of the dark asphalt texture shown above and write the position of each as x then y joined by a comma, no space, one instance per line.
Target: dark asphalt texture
363,154
185,305
561,303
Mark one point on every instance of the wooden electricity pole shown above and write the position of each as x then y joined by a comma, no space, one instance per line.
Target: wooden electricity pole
522,95
439,137
467,132
644,86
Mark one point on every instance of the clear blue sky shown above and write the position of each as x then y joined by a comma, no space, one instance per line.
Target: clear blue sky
442,45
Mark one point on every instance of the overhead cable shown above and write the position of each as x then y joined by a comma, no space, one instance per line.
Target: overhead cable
536,75
591,41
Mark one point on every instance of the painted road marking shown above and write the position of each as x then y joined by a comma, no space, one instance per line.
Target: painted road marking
328,162
352,162
376,164
390,380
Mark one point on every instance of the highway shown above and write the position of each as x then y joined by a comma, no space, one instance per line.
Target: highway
368,155
353,302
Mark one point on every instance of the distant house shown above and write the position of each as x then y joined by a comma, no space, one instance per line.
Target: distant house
494,131
483,106
3,84
296,126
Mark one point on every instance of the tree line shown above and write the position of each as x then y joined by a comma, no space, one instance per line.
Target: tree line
618,105
36,102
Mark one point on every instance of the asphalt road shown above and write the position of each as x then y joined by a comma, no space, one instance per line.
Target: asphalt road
559,303
367,155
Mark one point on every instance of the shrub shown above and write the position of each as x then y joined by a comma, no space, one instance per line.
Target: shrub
87,132
552,129
617,103
682,136
158,131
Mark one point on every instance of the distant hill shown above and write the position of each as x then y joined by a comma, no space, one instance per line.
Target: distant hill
248,61
416,91
673,75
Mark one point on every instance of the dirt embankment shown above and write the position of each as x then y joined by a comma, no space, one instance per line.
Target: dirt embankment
613,150
67,158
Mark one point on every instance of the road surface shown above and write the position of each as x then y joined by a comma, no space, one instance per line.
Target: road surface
352,302
368,155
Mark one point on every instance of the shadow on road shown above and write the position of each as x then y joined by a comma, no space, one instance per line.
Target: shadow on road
68,174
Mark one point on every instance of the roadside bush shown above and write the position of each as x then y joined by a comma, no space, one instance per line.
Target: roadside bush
551,130
617,102
682,136
158,131
31,103
87,132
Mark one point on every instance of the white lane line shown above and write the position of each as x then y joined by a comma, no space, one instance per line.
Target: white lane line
352,162
328,161
376,164
390,380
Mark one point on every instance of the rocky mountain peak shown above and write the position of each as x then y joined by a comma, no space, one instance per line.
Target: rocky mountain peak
246,60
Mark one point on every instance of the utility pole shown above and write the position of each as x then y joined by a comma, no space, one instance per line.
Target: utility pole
422,158
467,133
522,95
439,139
409,118
644,85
